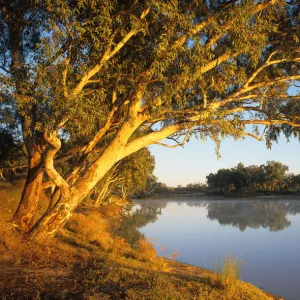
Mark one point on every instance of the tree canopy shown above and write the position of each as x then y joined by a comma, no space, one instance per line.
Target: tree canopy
117,76
269,177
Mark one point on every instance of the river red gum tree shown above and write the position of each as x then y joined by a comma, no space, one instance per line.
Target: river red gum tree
118,76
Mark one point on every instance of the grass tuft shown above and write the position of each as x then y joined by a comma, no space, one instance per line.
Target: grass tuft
230,274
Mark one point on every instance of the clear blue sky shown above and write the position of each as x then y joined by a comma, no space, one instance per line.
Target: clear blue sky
197,159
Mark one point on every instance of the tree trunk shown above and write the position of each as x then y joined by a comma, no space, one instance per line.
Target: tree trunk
26,211
54,198
55,218
63,209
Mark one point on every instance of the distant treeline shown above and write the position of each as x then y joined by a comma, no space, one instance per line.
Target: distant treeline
191,188
271,177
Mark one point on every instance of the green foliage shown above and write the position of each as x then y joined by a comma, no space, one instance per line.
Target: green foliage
269,177
10,150
135,170
59,36
151,184
11,155
191,188
162,188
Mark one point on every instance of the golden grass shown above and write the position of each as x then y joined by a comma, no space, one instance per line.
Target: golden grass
230,273
87,261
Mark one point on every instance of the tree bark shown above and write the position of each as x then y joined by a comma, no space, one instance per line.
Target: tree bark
54,219
54,198
27,208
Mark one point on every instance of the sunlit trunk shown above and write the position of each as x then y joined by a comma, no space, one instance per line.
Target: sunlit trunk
55,217
26,211
54,198
64,208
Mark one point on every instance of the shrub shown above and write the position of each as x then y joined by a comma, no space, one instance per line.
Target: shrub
90,228
144,251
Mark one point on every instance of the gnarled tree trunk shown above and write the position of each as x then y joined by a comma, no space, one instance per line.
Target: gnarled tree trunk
26,211
72,196
54,219
54,198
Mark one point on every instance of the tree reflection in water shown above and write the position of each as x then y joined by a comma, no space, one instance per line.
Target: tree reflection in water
255,214
141,216
271,214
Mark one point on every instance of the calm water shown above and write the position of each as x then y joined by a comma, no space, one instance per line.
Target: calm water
263,232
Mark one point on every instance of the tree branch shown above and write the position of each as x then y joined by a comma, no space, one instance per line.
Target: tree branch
245,89
217,61
176,145
266,64
199,27
270,122
259,138
241,109
55,145
107,55
93,142
65,71
151,138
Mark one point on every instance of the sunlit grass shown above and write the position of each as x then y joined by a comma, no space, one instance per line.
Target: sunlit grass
87,259
230,274
231,269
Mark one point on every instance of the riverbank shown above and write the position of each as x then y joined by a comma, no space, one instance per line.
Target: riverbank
104,277
86,261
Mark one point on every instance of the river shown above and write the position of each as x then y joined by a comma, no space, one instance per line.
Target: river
263,232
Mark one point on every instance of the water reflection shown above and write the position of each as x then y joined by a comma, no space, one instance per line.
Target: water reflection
143,214
206,230
255,214
266,214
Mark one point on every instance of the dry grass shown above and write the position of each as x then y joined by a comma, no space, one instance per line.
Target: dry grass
230,270
230,273
87,261
144,251
90,228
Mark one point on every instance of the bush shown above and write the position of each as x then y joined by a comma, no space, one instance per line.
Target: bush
91,229
144,251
